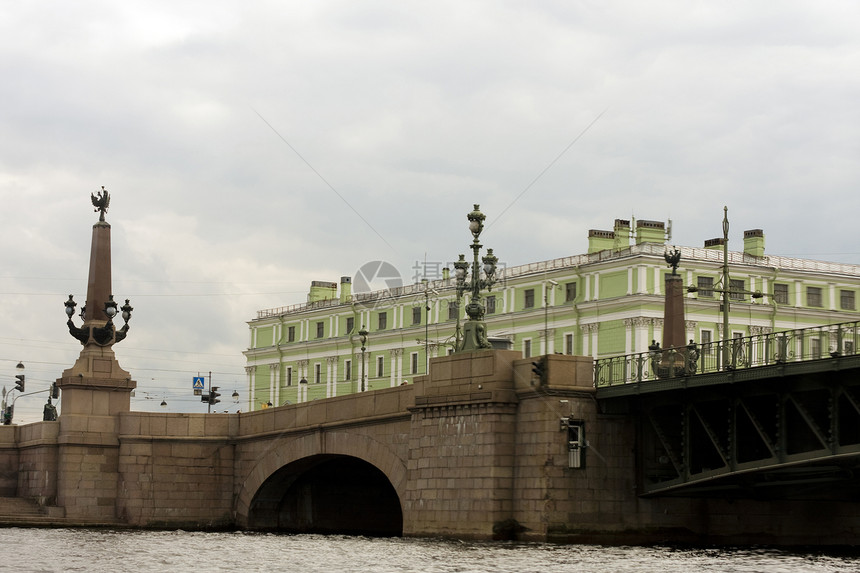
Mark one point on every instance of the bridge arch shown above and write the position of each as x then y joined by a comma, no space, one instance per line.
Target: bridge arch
325,482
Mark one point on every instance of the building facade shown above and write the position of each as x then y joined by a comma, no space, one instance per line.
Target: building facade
608,301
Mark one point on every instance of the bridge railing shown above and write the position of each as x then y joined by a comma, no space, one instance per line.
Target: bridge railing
813,343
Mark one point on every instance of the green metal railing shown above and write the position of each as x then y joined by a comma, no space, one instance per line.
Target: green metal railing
814,343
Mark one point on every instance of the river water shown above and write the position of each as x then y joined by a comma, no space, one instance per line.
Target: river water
43,550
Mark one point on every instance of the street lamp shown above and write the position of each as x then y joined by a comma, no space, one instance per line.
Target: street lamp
363,337
235,396
475,331
726,291
427,291
105,335
549,284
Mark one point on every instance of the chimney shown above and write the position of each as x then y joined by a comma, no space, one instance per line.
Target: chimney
754,243
600,240
622,233
714,243
322,290
345,289
650,232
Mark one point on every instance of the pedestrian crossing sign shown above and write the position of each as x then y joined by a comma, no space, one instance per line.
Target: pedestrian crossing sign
199,383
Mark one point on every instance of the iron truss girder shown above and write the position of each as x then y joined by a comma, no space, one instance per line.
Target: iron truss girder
777,438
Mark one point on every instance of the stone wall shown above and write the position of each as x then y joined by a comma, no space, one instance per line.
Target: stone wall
176,470
9,456
461,447
549,494
37,462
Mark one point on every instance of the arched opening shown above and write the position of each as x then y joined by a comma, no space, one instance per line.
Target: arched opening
328,494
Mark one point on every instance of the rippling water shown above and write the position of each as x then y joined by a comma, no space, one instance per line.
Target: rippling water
25,550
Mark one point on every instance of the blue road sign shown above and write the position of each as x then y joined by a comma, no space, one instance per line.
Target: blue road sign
199,383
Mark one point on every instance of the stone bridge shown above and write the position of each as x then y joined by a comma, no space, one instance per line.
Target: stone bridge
469,452
483,448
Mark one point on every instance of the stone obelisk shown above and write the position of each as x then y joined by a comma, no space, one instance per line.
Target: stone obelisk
674,344
95,391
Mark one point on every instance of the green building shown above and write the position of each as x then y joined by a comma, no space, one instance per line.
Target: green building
606,302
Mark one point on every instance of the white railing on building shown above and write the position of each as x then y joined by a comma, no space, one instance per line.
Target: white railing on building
541,267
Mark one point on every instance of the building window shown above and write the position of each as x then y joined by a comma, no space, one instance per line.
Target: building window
350,324
289,375
450,351
736,288
846,299
848,347
383,321
705,286
452,310
491,304
568,344
414,358
380,363
317,372
530,298
570,292
813,296
291,334
416,315
347,368
705,338
320,329
527,348
780,293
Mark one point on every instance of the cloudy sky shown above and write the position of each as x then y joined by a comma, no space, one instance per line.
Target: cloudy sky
250,148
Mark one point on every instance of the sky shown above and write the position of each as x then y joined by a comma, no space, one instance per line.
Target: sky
251,148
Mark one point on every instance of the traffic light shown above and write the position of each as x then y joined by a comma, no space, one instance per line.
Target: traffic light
539,369
55,390
19,382
7,415
213,395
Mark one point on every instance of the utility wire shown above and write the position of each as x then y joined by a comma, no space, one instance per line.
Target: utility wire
547,168
323,179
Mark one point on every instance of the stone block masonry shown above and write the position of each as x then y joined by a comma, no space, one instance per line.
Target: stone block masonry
477,450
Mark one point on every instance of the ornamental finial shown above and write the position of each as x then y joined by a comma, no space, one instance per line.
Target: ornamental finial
101,202
673,258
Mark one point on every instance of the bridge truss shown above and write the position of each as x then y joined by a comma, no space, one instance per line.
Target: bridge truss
783,430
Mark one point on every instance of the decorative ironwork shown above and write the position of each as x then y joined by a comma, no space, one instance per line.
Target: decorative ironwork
735,354
474,335
94,332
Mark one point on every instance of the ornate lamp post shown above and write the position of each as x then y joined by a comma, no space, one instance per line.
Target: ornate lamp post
363,336
475,331
726,334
